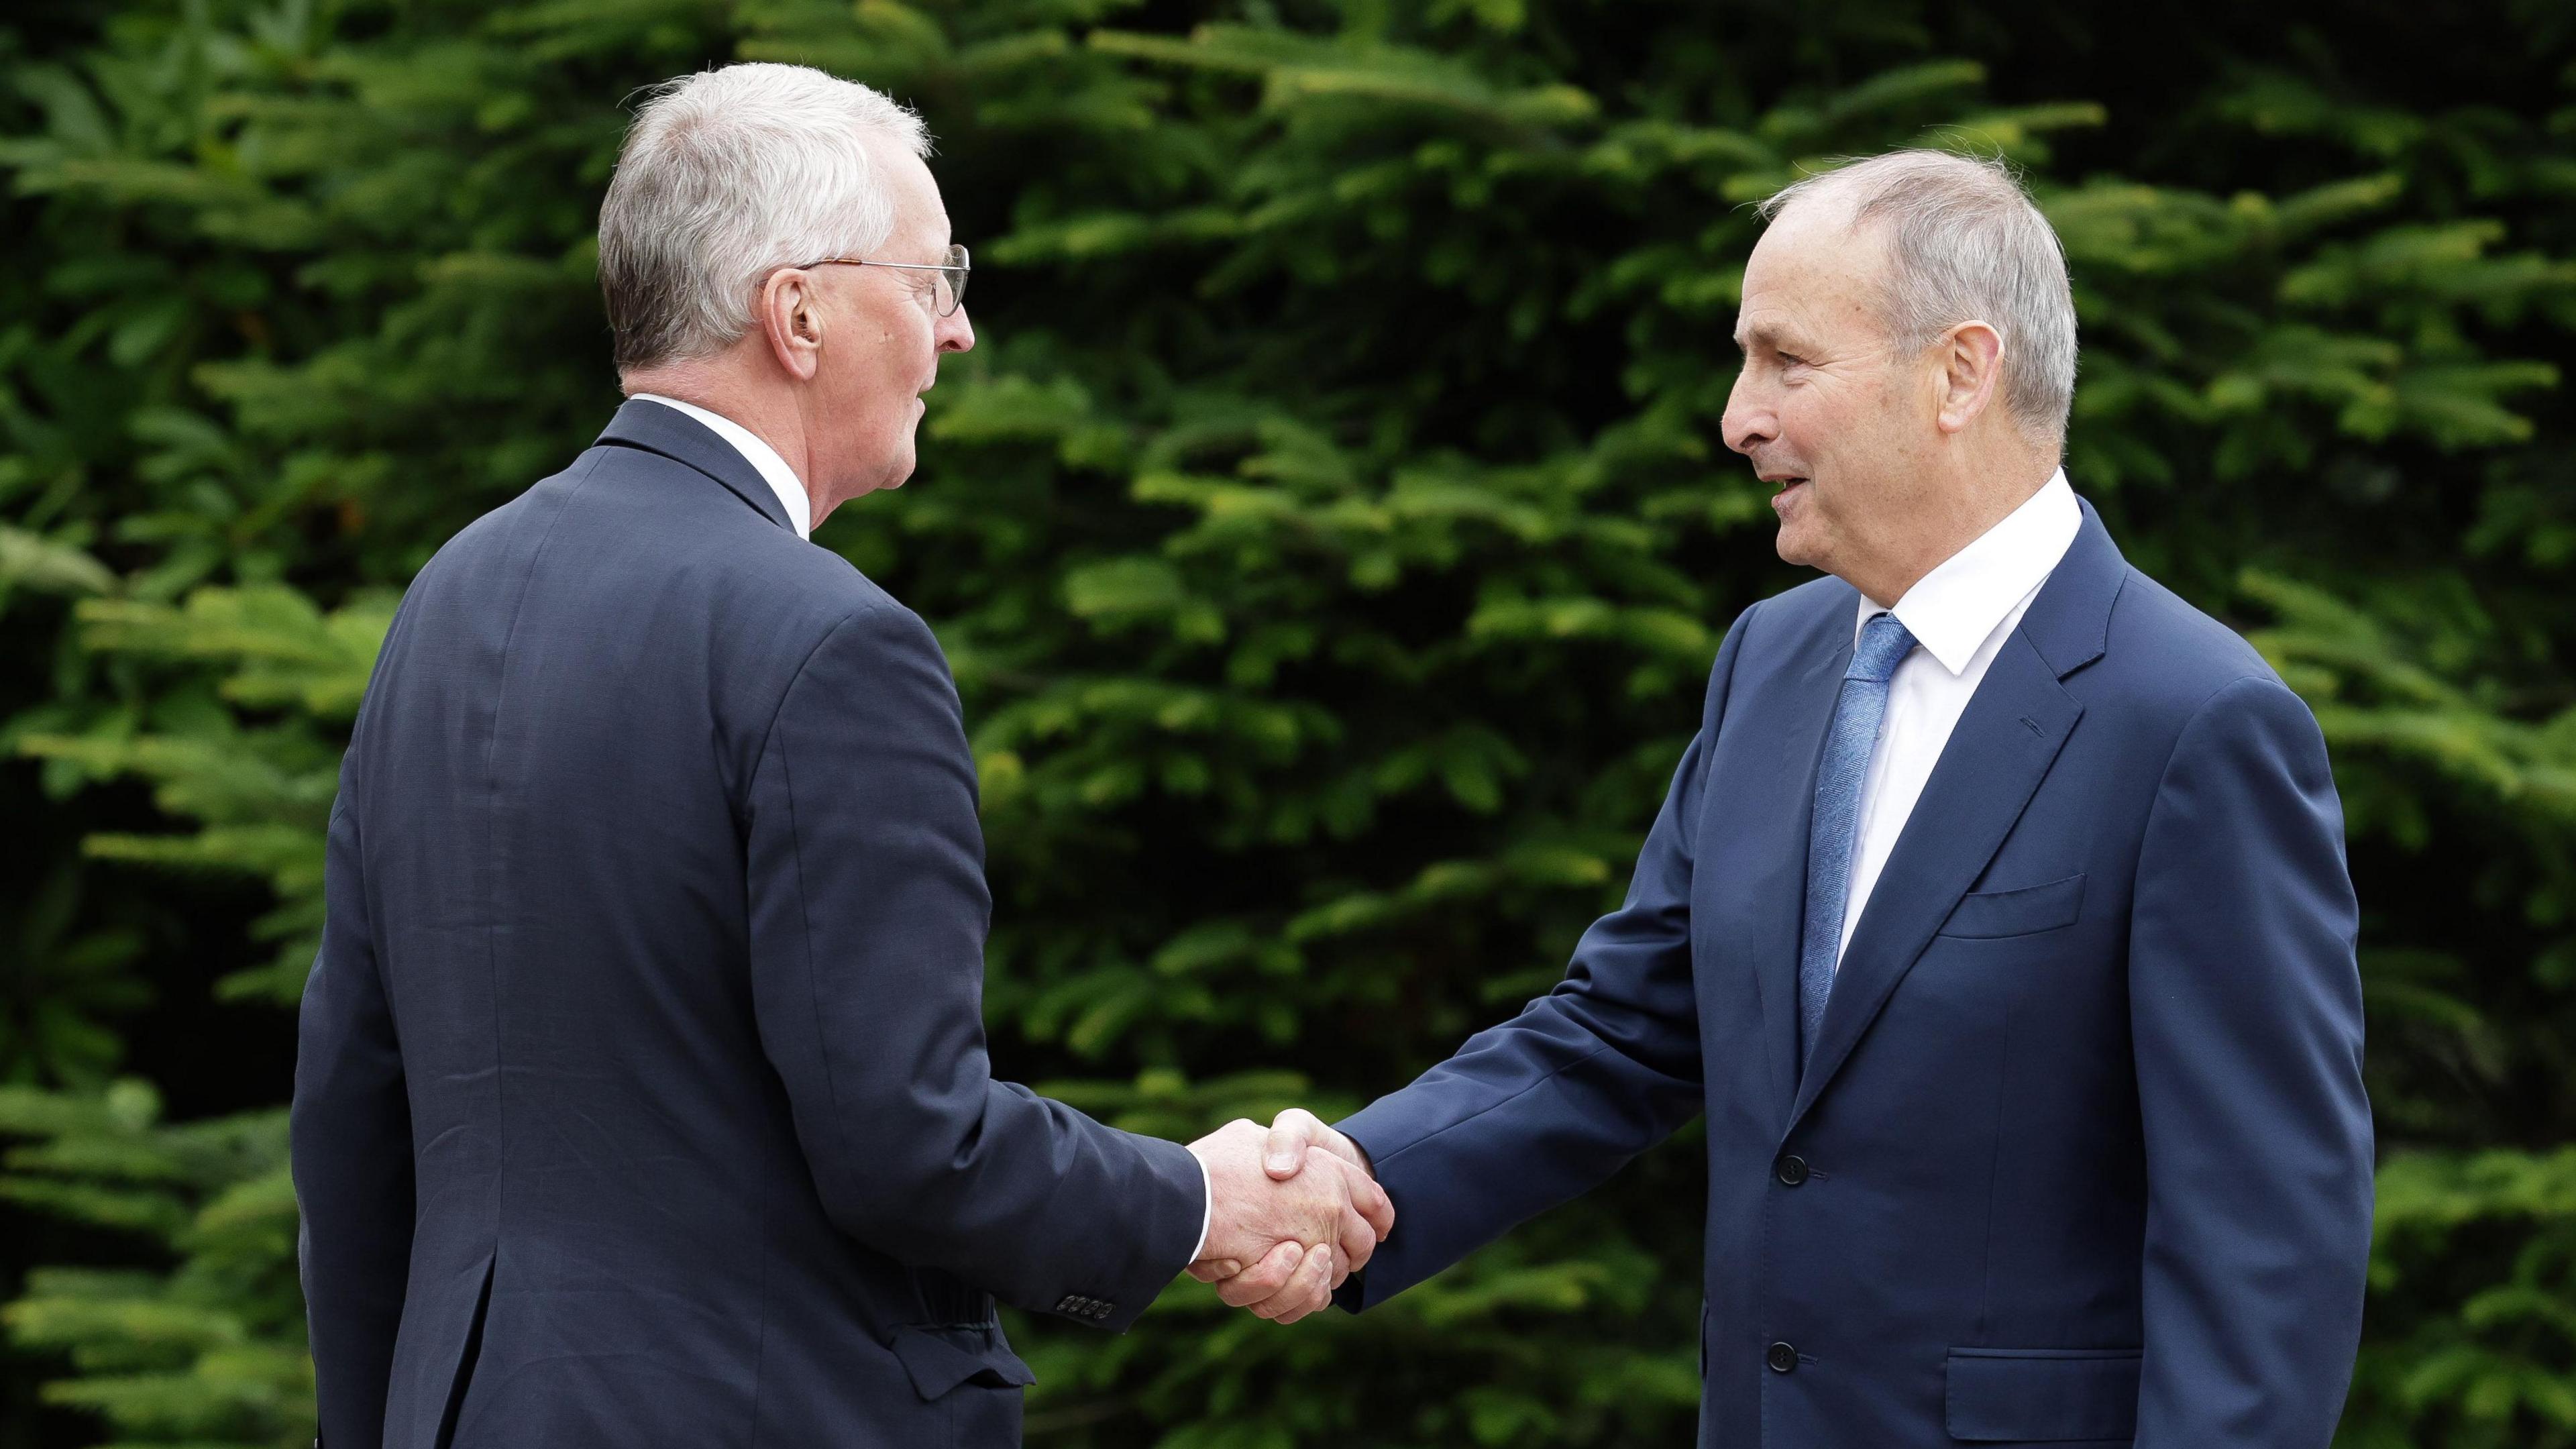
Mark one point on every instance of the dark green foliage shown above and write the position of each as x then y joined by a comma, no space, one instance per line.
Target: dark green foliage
1330,534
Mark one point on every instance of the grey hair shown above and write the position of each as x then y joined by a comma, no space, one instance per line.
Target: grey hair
726,176
1964,243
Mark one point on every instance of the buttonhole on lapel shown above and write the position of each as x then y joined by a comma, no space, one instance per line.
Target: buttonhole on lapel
2034,726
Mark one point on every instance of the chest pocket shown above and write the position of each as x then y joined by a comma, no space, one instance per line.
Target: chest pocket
2021,911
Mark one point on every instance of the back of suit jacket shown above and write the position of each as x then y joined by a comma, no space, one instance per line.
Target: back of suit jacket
641,1095
2080,1153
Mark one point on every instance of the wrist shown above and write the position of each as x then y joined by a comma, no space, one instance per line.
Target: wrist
1348,1148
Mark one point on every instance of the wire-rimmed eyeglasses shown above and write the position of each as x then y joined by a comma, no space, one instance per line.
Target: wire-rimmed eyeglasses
950,286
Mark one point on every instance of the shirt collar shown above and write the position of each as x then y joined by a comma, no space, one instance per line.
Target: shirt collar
773,469
1952,609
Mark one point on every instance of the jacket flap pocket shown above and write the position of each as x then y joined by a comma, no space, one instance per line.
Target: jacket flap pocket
942,1356
2007,1395
2017,912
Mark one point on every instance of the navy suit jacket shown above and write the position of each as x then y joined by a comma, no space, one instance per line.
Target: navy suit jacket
2081,1154
641,1095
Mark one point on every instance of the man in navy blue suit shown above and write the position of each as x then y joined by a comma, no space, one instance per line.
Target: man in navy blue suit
2002,932
641,1096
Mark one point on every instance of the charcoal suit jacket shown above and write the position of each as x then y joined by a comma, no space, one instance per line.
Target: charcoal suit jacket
641,1096
2081,1155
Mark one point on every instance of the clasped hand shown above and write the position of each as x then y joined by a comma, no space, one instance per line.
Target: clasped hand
1293,1211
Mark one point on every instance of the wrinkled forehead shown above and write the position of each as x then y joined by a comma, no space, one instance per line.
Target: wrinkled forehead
1814,269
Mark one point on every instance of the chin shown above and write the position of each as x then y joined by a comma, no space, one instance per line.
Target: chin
890,473
1793,546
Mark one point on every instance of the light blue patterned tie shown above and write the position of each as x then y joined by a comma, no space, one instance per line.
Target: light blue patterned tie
1884,643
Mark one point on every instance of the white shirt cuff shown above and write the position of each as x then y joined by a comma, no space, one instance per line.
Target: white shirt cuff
1207,1212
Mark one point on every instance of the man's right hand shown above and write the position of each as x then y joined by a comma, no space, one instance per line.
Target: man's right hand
1297,1129
1281,1236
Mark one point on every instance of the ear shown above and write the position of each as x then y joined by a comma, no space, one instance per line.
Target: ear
1971,357
789,320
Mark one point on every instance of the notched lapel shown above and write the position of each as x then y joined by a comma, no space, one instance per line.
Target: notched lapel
1756,842
1997,754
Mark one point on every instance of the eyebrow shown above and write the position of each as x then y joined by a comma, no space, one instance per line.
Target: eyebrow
1767,334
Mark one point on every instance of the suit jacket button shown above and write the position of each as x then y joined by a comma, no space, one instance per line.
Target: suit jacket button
1068,1304
1792,1169
1781,1357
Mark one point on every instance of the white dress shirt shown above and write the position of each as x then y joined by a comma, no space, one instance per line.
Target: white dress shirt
790,489
764,459
1960,613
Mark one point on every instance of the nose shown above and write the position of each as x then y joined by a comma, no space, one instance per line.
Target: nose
1749,421
954,333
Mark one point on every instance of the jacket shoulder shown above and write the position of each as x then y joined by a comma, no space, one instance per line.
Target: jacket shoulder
627,534
2174,651
2167,665
1816,597
1793,613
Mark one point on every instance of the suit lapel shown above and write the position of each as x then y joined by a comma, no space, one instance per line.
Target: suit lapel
1768,883
2001,748
1996,756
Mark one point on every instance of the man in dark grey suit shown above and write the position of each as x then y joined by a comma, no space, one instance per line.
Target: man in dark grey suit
642,1096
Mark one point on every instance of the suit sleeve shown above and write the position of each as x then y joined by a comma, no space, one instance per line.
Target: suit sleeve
350,1128
868,914
2245,1006
1546,1106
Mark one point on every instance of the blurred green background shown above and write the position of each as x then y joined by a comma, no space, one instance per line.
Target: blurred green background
1330,534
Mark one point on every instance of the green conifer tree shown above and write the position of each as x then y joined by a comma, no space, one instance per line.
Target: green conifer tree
1330,534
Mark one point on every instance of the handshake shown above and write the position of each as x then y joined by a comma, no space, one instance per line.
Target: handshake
1292,1211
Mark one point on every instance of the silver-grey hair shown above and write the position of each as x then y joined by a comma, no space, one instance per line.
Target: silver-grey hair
726,176
1964,243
